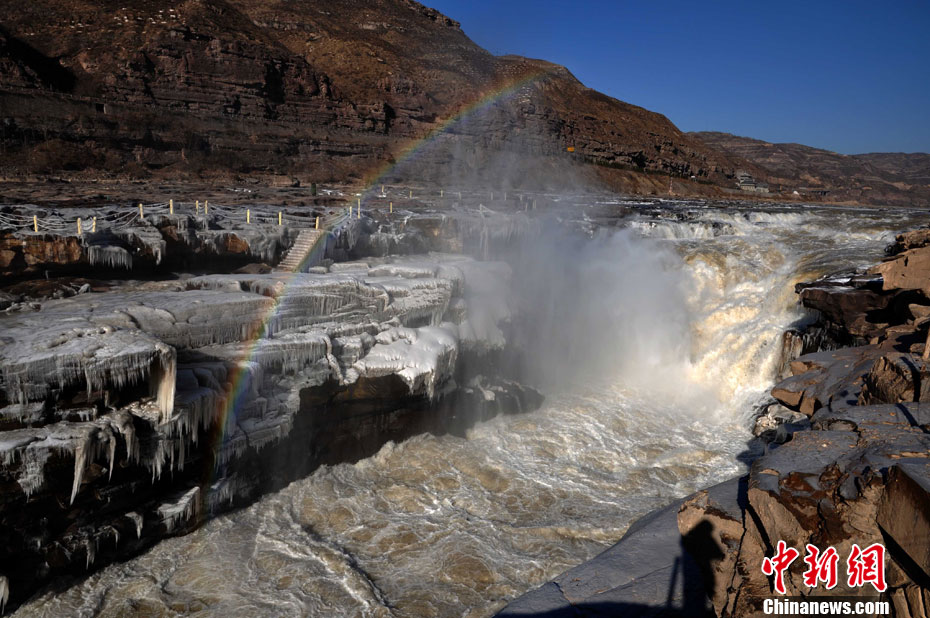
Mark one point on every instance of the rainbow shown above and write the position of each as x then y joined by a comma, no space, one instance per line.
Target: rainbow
226,417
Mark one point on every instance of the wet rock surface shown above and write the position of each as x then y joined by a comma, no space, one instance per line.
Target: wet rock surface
649,563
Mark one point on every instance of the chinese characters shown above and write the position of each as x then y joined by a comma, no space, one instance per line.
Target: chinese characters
864,566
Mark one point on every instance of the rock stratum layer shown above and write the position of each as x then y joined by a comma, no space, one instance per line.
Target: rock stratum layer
874,178
311,90
130,415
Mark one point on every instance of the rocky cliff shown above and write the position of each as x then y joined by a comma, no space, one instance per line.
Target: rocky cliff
854,471
311,90
876,178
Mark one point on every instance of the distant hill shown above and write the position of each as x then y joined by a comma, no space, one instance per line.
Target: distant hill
314,90
876,178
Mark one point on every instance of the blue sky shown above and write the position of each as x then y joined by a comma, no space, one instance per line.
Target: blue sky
846,76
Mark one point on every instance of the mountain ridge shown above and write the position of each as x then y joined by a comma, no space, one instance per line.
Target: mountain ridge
286,93
326,91
890,178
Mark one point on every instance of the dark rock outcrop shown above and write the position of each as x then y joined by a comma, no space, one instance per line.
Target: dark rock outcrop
651,562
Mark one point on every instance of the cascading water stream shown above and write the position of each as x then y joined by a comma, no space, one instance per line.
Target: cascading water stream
653,343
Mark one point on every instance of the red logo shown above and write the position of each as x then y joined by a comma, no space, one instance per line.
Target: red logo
864,566
777,564
867,566
820,567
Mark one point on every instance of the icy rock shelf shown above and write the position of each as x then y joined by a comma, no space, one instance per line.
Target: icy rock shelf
124,240
126,388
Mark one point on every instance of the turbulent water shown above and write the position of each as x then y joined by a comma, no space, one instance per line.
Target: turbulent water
671,337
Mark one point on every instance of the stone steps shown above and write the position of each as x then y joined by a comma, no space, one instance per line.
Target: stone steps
297,254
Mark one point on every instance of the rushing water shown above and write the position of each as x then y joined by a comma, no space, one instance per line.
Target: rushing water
689,301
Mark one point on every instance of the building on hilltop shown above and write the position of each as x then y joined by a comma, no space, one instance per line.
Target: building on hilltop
746,182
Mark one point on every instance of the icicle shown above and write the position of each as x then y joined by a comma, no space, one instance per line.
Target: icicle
31,476
187,505
90,546
136,519
80,461
4,592
122,422
163,376
111,455
110,256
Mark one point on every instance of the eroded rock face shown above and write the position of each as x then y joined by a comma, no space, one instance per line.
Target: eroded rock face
313,90
909,240
852,307
907,270
889,304
127,416
860,475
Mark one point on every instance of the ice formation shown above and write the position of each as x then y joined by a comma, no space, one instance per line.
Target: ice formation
111,256
141,379
183,507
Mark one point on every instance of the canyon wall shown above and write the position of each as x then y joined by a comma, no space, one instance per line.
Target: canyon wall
314,91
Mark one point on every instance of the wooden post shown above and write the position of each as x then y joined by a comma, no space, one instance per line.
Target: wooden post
206,207
248,215
93,225
141,212
317,226
197,206
170,207
35,223
360,205
279,217
382,189
411,193
392,206
79,226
